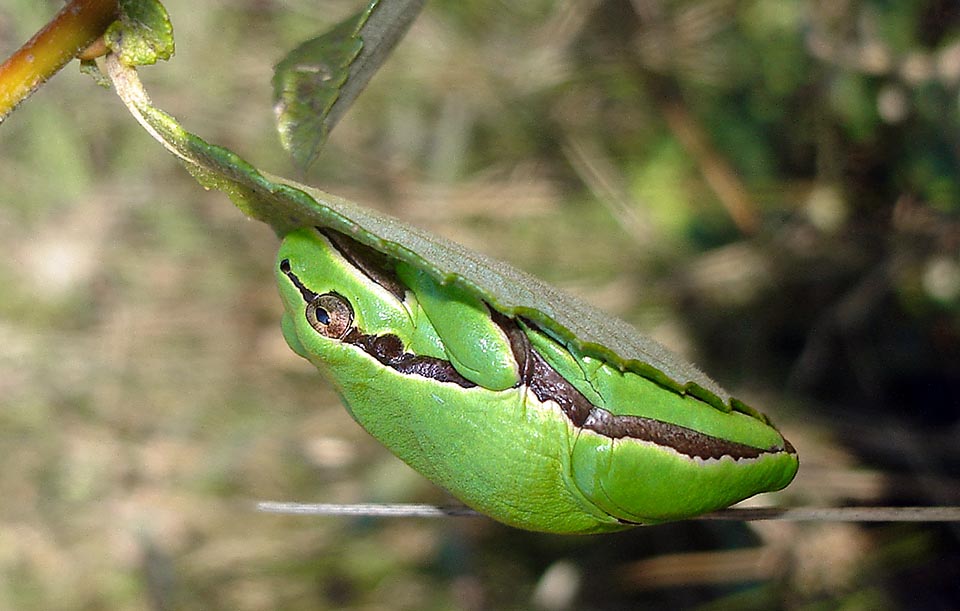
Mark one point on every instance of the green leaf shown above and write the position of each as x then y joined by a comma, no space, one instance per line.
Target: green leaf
143,34
307,83
287,205
316,82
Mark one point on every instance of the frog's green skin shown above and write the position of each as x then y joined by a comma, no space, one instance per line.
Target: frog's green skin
512,422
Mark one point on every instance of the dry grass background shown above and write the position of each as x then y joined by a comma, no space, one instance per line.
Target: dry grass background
147,398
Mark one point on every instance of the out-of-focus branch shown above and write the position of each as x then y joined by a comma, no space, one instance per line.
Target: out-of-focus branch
716,170
77,25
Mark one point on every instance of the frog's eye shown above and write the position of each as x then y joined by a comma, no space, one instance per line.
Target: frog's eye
331,315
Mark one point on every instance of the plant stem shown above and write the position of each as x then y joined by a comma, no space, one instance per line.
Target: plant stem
78,24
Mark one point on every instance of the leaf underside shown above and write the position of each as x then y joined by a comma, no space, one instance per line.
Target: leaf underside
315,84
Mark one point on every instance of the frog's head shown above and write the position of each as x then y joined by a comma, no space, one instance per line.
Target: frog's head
332,287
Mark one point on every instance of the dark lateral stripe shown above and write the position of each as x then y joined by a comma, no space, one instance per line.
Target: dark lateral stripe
548,385
388,350
682,439
307,294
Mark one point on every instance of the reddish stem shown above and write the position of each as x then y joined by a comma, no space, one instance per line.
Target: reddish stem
78,24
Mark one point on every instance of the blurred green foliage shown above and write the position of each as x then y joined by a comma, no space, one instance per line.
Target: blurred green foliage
769,187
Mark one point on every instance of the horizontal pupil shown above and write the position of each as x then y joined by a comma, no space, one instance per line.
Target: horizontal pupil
322,316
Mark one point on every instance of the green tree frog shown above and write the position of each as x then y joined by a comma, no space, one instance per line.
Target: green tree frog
516,423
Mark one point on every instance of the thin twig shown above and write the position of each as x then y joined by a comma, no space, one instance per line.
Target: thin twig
802,514
366,509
